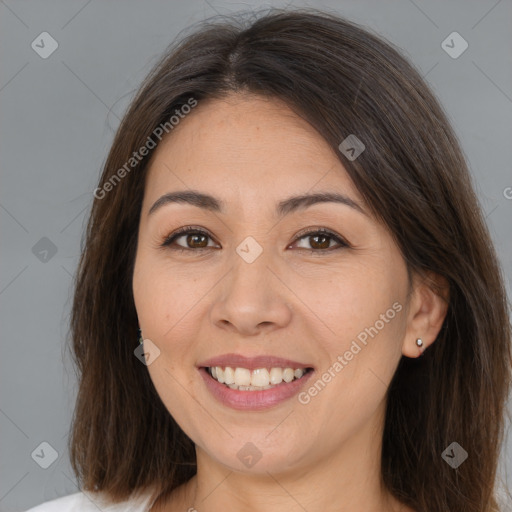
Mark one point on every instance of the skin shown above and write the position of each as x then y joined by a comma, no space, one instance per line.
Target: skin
251,153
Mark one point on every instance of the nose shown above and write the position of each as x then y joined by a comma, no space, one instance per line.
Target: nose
252,298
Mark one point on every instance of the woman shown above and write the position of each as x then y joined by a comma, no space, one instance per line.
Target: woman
286,227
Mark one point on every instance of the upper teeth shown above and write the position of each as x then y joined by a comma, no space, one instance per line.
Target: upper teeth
261,377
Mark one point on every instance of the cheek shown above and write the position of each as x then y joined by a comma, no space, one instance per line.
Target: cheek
365,312
162,294
354,295
171,308
351,385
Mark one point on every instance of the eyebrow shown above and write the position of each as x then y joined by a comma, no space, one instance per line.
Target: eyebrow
285,207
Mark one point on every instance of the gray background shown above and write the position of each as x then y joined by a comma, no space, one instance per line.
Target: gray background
58,117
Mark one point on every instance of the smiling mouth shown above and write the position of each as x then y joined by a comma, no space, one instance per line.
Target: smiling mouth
243,379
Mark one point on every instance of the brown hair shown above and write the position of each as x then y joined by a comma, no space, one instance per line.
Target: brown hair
343,80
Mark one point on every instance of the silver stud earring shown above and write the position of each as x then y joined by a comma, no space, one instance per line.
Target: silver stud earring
419,344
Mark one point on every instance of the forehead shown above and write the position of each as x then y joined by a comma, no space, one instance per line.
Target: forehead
245,146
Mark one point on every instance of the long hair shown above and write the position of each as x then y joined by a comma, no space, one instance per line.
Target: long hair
343,80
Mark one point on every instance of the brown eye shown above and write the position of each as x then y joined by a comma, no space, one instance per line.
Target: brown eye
190,239
320,240
196,240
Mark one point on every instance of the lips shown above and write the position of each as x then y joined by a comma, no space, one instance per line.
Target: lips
250,398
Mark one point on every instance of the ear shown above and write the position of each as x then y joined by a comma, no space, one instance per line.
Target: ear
426,312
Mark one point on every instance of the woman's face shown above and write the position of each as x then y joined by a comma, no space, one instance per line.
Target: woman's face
255,286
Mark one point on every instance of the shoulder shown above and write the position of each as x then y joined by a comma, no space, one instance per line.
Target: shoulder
92,502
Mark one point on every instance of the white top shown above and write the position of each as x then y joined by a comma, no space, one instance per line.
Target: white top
86,501
89,502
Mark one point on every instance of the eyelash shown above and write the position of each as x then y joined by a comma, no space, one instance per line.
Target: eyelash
195,230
